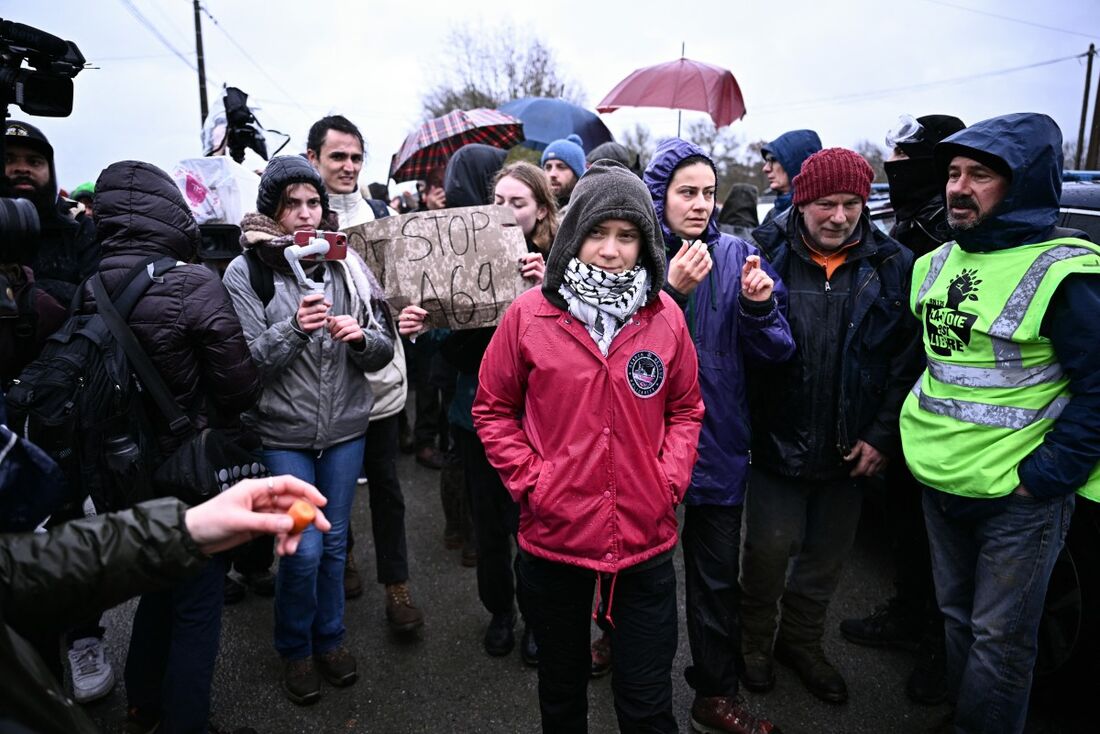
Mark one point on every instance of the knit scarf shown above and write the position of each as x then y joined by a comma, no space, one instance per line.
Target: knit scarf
603,301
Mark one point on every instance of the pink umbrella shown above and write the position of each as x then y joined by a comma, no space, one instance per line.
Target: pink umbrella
682,84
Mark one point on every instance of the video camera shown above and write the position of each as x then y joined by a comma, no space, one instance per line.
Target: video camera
45,89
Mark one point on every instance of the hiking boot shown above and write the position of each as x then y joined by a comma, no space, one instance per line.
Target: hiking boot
469,556
353,584
758,675
232,591
890,625
452,537
813,668
500,637
138,722
927,683
338,667
601,656
92,675
429,458
260,584
301,682
719,715
401,613
529,647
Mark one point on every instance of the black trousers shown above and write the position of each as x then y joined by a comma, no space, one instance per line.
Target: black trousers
495,518
643,643
712,547
387,503
909,543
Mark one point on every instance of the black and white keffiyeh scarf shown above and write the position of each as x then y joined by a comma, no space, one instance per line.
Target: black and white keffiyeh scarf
603,301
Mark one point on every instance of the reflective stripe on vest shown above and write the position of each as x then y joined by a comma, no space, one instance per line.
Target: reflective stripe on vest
1012,315
1010,375
984,414
934,268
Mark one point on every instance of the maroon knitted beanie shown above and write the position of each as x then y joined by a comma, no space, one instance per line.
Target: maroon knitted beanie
832,171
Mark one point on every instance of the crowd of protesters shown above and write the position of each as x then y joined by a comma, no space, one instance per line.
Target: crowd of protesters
763,375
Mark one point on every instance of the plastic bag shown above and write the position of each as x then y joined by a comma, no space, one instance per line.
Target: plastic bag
219,190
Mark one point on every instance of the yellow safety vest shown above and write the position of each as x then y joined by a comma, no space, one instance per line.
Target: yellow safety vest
993,385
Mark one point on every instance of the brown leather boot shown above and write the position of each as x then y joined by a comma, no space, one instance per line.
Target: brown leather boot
401,613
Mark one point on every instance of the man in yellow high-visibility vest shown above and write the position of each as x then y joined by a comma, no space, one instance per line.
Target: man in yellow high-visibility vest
1004,425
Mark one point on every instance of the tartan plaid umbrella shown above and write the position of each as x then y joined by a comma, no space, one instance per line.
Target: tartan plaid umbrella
432,144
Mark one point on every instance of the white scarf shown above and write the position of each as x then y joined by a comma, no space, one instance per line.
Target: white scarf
603,301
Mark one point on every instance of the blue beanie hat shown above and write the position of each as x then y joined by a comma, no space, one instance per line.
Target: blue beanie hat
569,150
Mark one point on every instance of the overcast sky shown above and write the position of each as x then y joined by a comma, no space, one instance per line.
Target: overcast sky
846,69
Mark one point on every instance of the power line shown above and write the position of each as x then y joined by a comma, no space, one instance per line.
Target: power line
875,93
160,36
138,57
251,60
1091,36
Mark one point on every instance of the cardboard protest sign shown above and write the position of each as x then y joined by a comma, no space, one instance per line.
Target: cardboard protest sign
461,265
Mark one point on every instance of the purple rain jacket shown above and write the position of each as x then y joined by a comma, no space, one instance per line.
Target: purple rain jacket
728,332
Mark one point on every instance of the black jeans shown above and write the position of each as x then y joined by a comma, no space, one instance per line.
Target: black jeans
643,643
909,545
173,649
797,536
495,517
712,546
387,503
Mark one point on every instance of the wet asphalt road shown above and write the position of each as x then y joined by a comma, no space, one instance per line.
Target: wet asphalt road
441,680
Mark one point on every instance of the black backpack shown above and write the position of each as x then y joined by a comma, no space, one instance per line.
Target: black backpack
81,402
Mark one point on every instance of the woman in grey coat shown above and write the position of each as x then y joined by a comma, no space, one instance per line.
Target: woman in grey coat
313,342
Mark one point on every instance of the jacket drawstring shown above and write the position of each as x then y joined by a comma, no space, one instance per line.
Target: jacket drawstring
610,599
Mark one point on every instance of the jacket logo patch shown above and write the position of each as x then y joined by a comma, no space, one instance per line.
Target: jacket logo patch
645,373
948,327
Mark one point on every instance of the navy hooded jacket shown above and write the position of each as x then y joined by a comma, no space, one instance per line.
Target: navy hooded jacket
1029,146
792,149
727,332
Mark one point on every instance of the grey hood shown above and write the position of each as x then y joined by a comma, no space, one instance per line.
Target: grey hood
608,190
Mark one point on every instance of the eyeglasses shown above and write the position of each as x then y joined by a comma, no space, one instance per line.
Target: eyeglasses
769,158
907,130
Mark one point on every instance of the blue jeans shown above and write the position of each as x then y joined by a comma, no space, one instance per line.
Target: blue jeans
991,559
309,588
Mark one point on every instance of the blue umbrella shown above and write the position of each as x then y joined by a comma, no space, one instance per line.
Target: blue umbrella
546,119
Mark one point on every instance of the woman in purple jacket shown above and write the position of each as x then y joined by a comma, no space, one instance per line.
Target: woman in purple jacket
735,306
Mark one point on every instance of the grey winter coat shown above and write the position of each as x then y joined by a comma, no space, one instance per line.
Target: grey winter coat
315,390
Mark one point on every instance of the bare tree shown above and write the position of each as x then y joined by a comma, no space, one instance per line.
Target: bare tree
875,155
486,67
640,142
735,161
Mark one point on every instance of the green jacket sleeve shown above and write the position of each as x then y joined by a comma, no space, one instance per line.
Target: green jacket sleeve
85,566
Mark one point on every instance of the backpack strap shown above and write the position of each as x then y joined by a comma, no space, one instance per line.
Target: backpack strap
260,277
379,208
115,317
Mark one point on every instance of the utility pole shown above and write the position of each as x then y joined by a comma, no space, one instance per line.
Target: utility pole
202,65
1084,108
1092,161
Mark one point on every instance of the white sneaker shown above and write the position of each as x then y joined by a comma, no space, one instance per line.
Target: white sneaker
93,677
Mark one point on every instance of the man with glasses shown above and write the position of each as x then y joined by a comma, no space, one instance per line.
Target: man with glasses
910,620
783,159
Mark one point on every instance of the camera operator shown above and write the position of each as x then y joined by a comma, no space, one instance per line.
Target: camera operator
67,251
